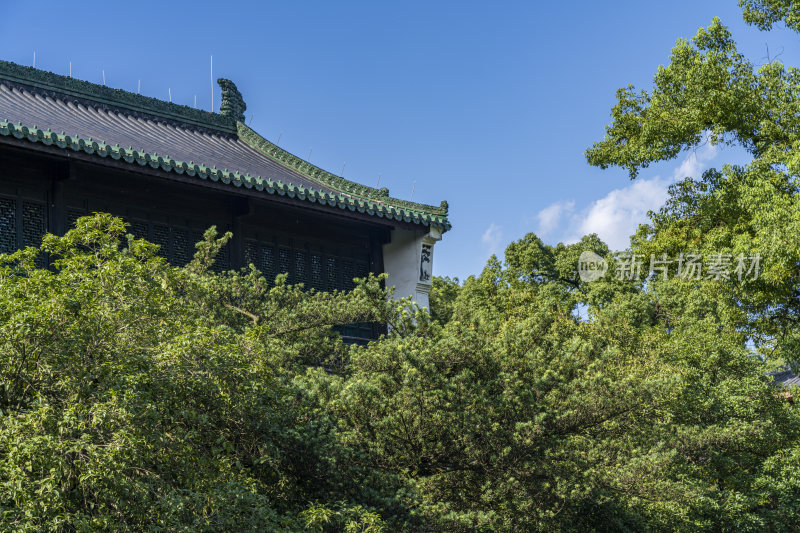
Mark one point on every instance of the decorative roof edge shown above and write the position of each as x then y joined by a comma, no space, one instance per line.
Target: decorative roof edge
229,120
330,180
128,155
115,97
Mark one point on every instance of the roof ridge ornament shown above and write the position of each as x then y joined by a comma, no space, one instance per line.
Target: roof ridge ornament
233,105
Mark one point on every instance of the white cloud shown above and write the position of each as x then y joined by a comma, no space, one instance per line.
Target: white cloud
550,217
492,238
695,163
617,215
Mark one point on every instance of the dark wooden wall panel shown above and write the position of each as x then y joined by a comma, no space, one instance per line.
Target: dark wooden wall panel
324,252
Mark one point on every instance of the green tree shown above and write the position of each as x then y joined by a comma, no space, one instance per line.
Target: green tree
135,395
709,92
444,291
520,415
766,13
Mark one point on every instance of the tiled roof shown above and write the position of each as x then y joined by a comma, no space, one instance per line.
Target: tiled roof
784,376
76,115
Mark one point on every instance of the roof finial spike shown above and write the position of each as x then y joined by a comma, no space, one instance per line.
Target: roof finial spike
70,69
139,88
342,172
104,78
413,188
34,59
377,186
309,155
212,84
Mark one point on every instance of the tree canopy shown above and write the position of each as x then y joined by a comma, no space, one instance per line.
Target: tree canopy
137,395
709,92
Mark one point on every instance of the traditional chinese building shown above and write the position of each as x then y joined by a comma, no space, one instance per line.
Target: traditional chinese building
69,148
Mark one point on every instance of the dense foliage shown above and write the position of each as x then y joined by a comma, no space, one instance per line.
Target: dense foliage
139,396
136,395
709,92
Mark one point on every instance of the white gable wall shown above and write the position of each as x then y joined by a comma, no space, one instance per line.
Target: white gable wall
408,260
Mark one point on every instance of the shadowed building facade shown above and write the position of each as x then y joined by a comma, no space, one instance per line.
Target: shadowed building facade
70,148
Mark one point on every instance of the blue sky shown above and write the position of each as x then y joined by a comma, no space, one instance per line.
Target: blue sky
487,105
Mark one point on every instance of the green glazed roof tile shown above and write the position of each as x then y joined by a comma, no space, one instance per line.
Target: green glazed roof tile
107,119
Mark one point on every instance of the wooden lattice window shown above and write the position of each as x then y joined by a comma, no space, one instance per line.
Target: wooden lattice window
22,223
8,225
315,269
177,243
73,214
